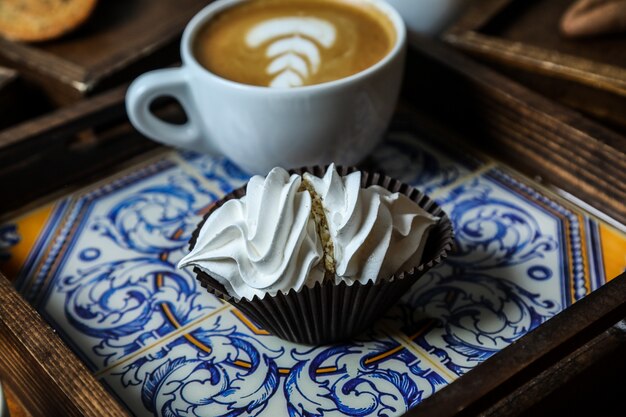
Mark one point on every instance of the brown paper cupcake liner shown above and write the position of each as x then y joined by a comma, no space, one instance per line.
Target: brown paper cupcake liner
330,312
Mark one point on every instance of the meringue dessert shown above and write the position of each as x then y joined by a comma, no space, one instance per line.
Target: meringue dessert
292,231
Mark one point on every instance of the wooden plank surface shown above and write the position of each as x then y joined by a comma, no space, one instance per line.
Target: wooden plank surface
522,40
531,133
537,23
517,364
41,369
525,35
121,39
69,147
17,101
14,404
589,375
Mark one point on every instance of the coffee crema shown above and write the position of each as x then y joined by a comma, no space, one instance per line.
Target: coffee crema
293,43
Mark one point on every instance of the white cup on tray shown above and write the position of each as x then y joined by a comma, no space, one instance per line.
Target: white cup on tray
259,127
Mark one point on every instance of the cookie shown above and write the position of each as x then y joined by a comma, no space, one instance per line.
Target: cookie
41,20
587,18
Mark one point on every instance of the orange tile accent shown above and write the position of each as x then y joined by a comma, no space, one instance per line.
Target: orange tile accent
384,355
29,229
613,251
249,324
16,408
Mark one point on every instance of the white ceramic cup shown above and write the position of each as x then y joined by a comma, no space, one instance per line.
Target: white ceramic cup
259,128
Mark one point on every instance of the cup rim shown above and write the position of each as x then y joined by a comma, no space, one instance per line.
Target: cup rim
214,8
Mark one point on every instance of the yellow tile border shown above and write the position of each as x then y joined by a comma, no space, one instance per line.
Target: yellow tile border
585,208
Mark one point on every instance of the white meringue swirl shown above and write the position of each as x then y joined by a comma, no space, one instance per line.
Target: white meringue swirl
375,233
264,242
268,240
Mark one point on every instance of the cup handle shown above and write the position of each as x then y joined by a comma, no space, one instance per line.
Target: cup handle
171,82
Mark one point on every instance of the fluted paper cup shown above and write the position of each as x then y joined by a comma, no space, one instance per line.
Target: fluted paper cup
330,312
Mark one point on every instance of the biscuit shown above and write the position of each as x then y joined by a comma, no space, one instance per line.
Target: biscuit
586,18
41,20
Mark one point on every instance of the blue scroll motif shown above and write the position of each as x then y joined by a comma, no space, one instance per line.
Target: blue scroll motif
156,219
9,237
475,314
402,157
117,301
221,170
211,381
491,232
355,389
474,306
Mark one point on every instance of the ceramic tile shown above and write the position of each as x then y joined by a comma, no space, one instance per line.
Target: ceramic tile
228,367
220,171
607,251
110,284
406,156
100,266
520,260
23,242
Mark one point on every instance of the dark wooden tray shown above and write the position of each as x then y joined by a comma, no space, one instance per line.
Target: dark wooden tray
16,99
455,99
522,38
120,40
8,87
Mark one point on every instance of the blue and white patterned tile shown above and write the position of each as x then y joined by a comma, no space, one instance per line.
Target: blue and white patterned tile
404,155
519,261
372,375
23,241
9,237
228,367
111,284
220,171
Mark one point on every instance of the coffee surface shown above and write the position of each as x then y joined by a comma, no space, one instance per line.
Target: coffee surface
292,43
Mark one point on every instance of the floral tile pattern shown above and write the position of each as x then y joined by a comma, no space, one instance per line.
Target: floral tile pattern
100,265
405,157
519,261
217,170
111,284
227,367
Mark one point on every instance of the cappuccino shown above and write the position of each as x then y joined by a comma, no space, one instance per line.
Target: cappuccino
294,43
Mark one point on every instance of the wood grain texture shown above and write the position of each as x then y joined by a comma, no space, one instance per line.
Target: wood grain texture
525,35
520,127
122,39
16,408
41,369
522,38
14,106
69,148
510,368
544,395
8,81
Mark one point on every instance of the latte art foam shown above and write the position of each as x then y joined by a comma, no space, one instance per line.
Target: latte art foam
293,47
292,43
